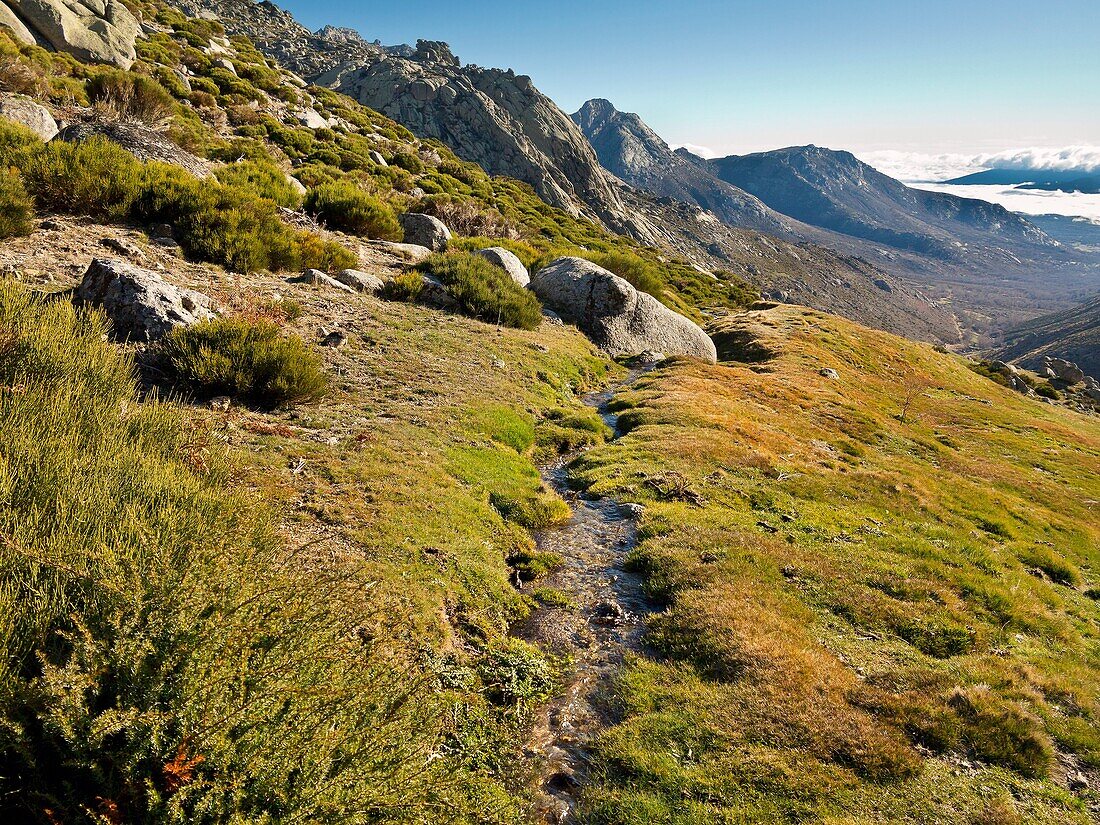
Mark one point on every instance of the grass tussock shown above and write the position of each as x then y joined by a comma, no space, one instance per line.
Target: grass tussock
247,360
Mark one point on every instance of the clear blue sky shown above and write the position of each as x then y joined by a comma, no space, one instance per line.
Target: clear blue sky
915,75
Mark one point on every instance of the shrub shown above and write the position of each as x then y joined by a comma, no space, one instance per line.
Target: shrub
1046,390
516,674
263,179
246,360
18,145
16,206
467,216
96,178
484,291
406,286
132,97
343,205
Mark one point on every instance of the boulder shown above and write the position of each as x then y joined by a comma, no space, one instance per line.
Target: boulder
310,118
409,252
1064,370
425,230
26,112
620,319
500,257
140,141
140,304
360,281
376,156
434,294
93,31
18,29
318,278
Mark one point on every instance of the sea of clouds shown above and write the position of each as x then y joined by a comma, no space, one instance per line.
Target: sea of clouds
928,171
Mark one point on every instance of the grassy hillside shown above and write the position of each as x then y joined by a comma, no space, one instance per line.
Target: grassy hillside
878,590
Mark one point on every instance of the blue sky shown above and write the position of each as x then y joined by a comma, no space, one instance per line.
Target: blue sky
923,76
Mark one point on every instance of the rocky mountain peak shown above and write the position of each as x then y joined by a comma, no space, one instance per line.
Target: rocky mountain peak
435,51
622,140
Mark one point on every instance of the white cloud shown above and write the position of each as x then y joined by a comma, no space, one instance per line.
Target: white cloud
699,151
914,167
1027,201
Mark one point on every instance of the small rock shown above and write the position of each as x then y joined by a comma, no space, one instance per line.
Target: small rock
335,339
162,231
426,231
224,63
221,403
123,247
504,259
26,112
1078,782
319,278
376,156
54,224
498,364
608,613
410,252
631,510
360,281
830,373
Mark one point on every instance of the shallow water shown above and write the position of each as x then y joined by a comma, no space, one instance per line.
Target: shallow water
604,624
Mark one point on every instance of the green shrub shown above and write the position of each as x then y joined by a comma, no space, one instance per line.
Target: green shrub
406,287
18,145
247,360
343,205
1046,390
16,206
263,179
517,674
129,96
96,178
484,291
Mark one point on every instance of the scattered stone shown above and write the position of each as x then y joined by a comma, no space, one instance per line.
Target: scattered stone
311,119
224,63
123,247
335,339
830,373
376,156
883,284
140,304
408,251
435,294
616,316
221,403
26,112
162,231
318,278
360,281
631,510
608,613
504,259
1078,782
297,185
54,224
140,141
499,364
426,231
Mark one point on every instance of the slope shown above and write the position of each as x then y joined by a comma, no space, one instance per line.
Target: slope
1073,334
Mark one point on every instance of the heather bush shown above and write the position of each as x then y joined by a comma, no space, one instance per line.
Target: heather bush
484,291
16,206
343,205
96,178
130,97
248,360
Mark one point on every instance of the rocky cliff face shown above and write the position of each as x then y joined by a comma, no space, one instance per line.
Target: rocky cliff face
632,151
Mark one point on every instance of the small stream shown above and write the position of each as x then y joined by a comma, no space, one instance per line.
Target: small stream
605,621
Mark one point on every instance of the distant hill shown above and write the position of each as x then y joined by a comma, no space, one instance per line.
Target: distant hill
1051,180
1073,334
835,190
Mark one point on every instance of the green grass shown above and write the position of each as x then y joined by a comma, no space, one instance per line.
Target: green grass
844,583
16,206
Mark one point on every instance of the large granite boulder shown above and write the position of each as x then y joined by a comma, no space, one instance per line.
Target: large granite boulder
26,112
94,31
425,230
620,319
17,27
140,141
140,304
500,257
